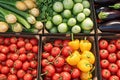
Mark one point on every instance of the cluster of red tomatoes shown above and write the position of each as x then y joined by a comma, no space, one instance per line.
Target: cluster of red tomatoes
110,59
18,58
54,65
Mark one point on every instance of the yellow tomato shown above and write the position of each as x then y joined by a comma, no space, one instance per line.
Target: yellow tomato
84,65
88,56
85,76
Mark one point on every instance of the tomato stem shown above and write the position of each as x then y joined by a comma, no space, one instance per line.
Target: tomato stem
44,73
92,69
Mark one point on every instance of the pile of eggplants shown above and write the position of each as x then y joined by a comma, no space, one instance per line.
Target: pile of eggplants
108,15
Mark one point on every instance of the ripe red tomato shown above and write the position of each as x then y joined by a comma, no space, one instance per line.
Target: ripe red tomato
48,47
114,77
113,41
45,55
7,41
0,67
5,70
34,41
26,65
47,78
17,64
5,50
66,51
3,77
13,40
20,39
20,73
22,50
103,43
106,73
103,53
33,64
117,44
50,58
14,57
1,40
35,49
56,76
65,76
118,73
75,73
2,57
58,43
1,46
12,77
34,73
30,56
118,63
13,47
112,57
58,69
55,51
118,55
13,71
23,57
28,46
44,62
20,43
65,42
113,67
9,63
50,69
59,62
111,48
67,68
104,63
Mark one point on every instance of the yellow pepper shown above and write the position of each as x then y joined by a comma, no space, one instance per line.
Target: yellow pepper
84,65
85,76
74,58
85,45
74,44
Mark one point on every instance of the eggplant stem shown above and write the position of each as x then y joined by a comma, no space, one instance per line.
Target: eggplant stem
115,6
103,15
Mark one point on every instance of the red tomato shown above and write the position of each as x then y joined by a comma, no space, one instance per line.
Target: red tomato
75,73
5,70
66,51
28,77
30,56
7,41
106,73
20,39
59,62
112,41
1,46
1,40
114,77
113,67
26,65
34,73
20,73
22,50
50,58
28,46
103,53
27,40
2,57
67,68
45,54
118,73
20,43
47,78
117,44
65,42
13,40
58,43
17,64
50,69
65,76
0,67
111,48
3,77
48,47
58,69
5,50
13,71
118,63
35,49
103,43
56,76
23,57
112,57
34,41
14,57
118,55
33,64
44,62
12,77
13,47
9,63
104,63
55,51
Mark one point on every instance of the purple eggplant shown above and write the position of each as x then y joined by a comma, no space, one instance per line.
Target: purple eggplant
104,2
110,26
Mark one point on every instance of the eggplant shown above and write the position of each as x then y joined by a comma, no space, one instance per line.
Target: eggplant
104,2
106,15
110,26
99,9
115,6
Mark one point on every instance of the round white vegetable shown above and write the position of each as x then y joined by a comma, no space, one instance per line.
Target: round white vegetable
10,18
57,19
58,7
76,29
49,25
68,4
80,17
71,22
17,27
78,7
30,4
86,11
21,5
67,13
35,12
3,27
86,4
31,19
63,28
38,25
